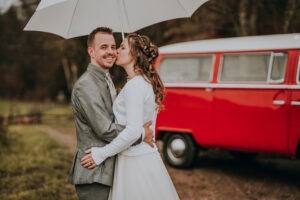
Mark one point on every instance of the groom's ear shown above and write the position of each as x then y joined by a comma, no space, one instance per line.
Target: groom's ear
91,52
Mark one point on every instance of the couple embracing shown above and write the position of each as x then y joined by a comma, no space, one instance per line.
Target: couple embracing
116,157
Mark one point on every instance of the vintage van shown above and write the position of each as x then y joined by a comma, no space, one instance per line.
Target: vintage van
239,94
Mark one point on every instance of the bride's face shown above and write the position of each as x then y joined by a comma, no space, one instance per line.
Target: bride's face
124,57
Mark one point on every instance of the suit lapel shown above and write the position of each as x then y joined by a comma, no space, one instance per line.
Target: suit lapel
98,77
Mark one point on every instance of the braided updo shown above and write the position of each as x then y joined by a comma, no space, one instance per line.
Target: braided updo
145,54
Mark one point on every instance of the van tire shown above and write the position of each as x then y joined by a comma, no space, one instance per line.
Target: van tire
184,155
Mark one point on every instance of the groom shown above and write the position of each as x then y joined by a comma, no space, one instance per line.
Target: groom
92,99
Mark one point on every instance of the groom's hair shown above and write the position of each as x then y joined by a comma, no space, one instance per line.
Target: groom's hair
91,36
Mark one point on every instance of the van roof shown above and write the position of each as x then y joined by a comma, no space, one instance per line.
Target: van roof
249,43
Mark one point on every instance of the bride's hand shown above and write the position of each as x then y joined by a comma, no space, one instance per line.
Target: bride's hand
87,161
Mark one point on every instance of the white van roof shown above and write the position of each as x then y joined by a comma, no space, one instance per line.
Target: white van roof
249,43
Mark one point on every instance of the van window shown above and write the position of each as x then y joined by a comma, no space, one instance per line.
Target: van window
186,69
278,68
263,67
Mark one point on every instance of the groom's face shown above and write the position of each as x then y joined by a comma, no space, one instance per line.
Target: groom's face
103,51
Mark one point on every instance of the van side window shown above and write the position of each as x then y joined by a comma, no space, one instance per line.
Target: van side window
278,67
261,67
186,69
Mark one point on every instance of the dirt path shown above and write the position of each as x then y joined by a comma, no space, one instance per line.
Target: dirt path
216,176
67,140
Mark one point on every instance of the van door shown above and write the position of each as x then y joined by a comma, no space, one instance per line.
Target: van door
188,103
250,102
294,111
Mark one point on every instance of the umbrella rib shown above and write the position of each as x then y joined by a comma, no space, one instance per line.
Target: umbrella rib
68,30
181,5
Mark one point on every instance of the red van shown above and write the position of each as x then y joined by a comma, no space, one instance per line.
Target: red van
240,94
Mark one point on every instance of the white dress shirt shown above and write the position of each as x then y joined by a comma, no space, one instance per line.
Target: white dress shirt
111,87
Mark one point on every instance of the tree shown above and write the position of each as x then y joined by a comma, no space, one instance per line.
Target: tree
35,65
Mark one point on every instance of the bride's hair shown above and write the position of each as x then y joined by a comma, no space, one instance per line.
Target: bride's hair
145,54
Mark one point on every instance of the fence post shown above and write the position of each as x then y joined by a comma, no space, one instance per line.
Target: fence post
3,131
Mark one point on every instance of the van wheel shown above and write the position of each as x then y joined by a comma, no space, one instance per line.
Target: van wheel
179,150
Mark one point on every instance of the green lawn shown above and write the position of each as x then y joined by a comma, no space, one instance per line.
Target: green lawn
33,167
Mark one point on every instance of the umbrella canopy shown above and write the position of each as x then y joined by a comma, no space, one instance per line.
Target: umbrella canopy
73,18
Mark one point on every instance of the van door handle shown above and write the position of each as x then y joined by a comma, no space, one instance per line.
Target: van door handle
279,102
295,103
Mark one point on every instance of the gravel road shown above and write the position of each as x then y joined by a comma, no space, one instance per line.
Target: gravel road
217,176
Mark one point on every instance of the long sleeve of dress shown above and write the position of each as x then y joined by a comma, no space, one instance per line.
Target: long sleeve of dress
134,105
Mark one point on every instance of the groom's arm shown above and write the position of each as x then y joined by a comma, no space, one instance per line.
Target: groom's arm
147,135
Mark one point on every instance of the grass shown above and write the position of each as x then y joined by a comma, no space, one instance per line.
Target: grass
33,166
21,107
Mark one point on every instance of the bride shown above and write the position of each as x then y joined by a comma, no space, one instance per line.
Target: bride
139,170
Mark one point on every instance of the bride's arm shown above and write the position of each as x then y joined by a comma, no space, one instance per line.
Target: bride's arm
134,105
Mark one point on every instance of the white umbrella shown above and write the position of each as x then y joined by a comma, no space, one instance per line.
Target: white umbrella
73,18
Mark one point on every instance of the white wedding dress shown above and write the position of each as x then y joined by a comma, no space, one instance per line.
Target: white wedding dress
140,173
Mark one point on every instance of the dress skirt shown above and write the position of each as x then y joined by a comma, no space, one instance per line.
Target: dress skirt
142,177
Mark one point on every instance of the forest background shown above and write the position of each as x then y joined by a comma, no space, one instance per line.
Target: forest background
37,70
43,67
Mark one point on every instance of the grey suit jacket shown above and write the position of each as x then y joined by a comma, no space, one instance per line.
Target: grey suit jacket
95,127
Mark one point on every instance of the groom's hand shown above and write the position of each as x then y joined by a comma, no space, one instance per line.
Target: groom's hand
87,161
149,138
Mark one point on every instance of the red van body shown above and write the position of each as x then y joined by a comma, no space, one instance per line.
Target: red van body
240,94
